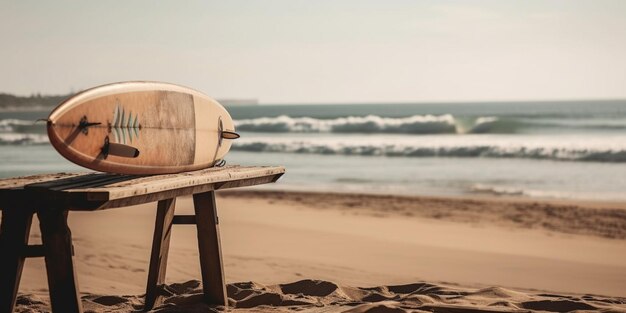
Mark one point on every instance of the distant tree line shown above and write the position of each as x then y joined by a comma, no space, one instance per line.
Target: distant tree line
34,100
37,100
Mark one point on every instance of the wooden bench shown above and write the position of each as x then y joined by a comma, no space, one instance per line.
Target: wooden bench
52,196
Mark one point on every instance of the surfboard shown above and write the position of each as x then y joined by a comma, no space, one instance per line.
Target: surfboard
141,128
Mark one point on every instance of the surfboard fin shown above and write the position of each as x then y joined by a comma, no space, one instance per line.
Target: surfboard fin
229,135
118,149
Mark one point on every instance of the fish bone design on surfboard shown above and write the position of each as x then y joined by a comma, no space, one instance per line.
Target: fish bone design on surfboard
122,128
141,128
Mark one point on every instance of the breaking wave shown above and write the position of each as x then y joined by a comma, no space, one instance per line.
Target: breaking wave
22,132
22,139
593,123
20,126
416,124
465,151
516,191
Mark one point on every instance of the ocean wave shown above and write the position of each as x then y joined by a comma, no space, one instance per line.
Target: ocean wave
416,124
424,124
495,150
516,192
20,126
588,123
497,190
23,139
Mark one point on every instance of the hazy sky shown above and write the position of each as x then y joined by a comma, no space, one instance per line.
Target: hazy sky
321,51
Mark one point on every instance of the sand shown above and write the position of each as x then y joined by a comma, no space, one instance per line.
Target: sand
317,252
324,296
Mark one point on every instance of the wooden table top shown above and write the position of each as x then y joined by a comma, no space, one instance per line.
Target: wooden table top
96,191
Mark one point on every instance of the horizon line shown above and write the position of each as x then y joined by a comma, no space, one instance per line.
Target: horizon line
281,103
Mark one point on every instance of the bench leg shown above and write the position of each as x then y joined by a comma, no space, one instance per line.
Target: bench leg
14,233
209,247
57,242
160,250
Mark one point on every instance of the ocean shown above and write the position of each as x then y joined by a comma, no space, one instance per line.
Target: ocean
556,150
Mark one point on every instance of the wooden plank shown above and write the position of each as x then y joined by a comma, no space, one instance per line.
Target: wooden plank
69,181
84,181
160,250
209,248
160,183
14,233
134,191
49,194
33,251
157,183
184,220
57,241
101,181
85,205
20,182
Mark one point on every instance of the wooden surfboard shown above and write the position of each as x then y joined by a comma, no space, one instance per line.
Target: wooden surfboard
141,128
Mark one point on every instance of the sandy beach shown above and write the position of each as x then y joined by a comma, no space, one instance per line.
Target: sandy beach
325,252
366,156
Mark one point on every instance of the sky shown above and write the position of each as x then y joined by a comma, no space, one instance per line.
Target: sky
323,51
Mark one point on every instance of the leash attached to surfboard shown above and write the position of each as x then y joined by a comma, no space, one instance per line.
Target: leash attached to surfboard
142,128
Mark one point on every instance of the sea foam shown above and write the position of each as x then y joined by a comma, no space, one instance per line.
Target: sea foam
416,124
16,125
23,139
471,146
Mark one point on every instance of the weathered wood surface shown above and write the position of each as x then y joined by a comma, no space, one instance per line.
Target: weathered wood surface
19,182
95,191
160,252
210,251
13,240
57,242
